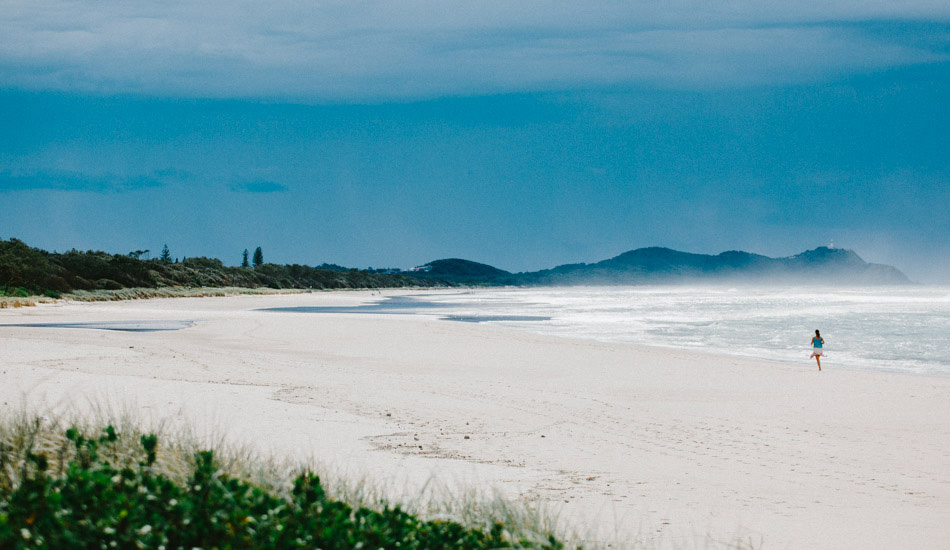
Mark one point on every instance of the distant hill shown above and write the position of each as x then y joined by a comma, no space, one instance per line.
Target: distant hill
461,271
656,265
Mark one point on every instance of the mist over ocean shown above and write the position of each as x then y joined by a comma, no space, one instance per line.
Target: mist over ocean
902,329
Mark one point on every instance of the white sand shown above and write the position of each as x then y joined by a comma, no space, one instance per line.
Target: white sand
674,445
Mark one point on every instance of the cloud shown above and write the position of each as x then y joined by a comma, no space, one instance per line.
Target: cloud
259,187
353,50
63,180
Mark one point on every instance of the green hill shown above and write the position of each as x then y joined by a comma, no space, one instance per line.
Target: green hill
663,265
456,270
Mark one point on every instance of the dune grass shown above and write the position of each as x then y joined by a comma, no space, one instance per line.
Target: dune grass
161,292
90,480
169,292
76,483
10,302
18,300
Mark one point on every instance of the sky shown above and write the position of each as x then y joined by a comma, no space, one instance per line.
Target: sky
519,134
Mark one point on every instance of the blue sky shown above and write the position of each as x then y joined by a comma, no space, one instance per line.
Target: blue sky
523,135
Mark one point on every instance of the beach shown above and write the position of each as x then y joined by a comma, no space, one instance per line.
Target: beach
674,447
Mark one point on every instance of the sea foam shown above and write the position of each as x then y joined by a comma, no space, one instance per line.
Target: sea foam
886,328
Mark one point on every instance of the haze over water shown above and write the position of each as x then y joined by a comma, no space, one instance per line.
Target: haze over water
884,328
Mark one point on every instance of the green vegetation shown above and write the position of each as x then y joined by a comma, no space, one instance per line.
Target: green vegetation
165,257
465,272
36,272
69,490
14,292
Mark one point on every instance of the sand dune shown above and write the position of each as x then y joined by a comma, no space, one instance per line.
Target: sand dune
676,446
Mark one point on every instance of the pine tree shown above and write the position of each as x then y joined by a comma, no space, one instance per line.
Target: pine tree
258,257
244,259
166,257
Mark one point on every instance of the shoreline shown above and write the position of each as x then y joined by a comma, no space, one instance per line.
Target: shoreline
368,305
434,309
676,445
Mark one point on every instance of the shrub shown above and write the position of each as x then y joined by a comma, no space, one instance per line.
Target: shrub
99,501
108,284
14,292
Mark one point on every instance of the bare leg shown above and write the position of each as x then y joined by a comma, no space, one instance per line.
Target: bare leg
818,358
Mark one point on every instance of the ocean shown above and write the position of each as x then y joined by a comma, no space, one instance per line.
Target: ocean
904,329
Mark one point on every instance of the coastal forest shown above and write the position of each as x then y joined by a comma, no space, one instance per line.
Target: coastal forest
25,270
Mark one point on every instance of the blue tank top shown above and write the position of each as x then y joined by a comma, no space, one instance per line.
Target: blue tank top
816,342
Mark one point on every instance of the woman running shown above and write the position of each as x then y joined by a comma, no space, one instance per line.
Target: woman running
816,343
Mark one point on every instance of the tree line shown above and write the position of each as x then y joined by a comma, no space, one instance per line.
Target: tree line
258,258
24,269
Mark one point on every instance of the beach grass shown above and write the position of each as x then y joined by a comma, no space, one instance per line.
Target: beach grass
93,480
70,481
29,300
8,302
170,292
144,293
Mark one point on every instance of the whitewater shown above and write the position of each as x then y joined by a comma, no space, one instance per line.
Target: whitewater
903,329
